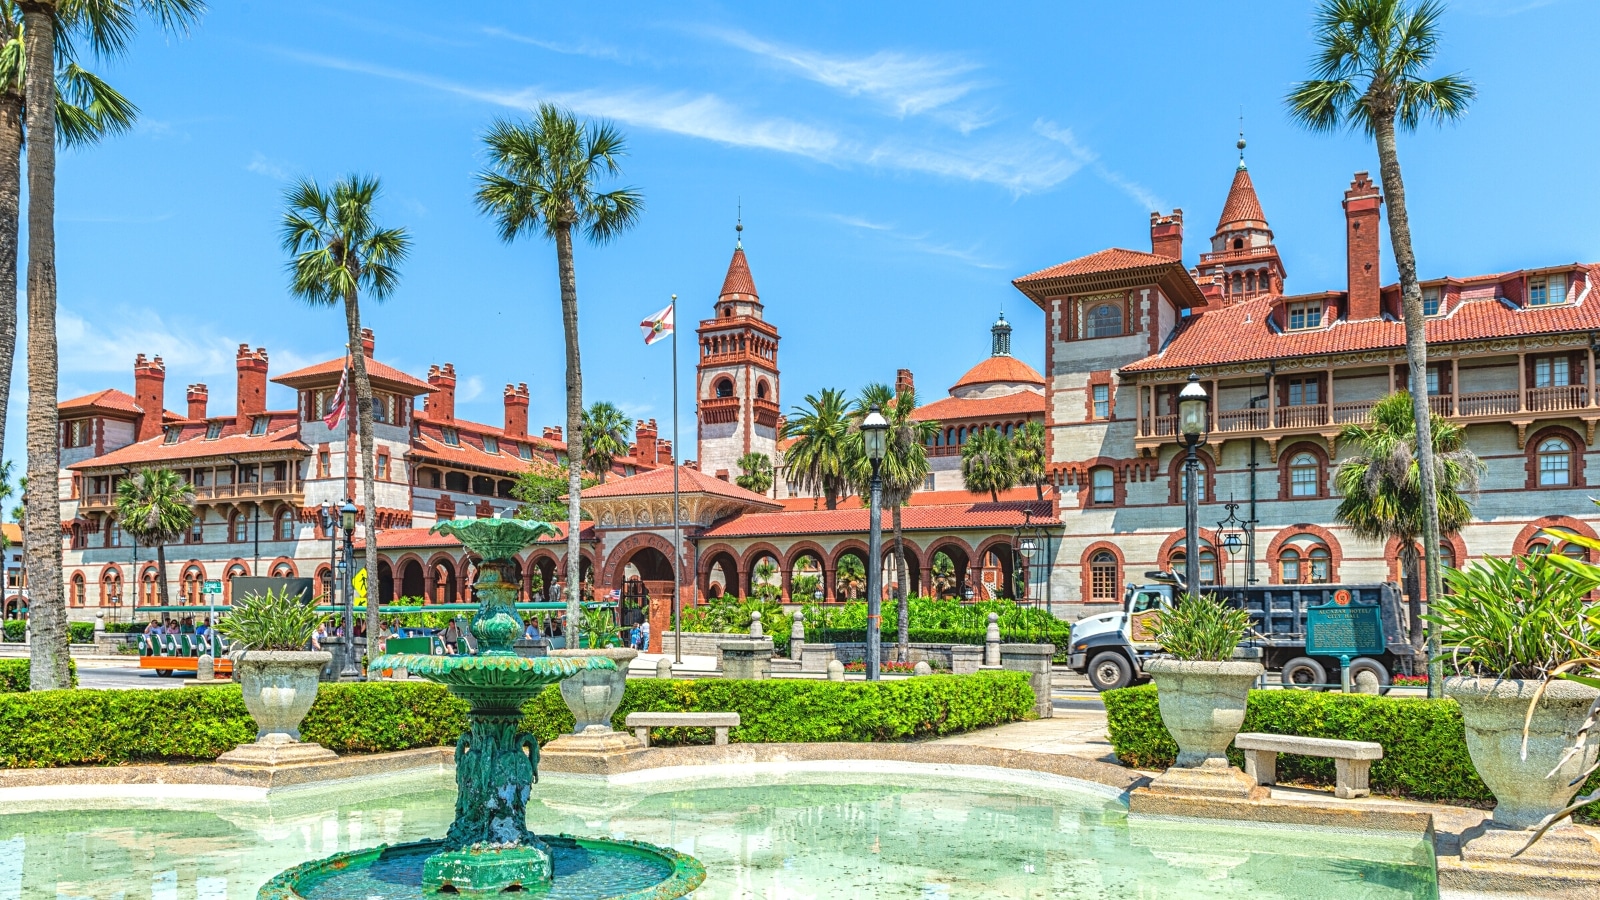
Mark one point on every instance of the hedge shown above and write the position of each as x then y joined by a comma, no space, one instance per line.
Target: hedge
92,727
77,632
1424,741
14,675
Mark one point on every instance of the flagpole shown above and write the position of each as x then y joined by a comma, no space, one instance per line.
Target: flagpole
677,533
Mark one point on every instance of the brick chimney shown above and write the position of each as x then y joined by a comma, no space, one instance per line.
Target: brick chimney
367,342
198,395
645,446
1166,234
252,394
149,380
903,381
441,404
1361,204
552,433
517,410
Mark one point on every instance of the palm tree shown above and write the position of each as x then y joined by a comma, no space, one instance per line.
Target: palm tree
904,469
820,459
543,179
605,429
107,26
849,576
155,506
755,472
1368,75
338,253
1382,485
987,464
1027,451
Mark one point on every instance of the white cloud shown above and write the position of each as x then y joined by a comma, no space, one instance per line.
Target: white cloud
594,51
469,389
921,243
1085,156
261,165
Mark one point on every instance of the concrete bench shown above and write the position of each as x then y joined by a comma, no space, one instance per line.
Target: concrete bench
1351,759
718,722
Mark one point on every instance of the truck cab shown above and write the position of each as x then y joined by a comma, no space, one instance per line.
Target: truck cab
1108,647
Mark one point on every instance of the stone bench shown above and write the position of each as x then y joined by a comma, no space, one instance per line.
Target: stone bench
718,722
1352,759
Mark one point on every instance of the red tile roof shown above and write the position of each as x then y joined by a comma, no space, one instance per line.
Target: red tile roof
690,481
1239,333
109,399
1000,369
986,514
193,445
738,280
1114,259
920,498
1112,270
1243,208
950,409
376,371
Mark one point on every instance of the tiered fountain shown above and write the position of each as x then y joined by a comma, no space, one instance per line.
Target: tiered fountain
489,848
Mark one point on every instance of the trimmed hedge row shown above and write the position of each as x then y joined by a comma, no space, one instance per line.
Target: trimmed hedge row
14,675
77,632
1424,741
66,728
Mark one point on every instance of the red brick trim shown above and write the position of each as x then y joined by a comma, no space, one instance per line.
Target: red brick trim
1208,477
1086,575
1285,534
799,549
1575,466
1288,454
1174,544
1391,552
1531,531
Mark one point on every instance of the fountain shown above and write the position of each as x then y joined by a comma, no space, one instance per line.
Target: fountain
488,848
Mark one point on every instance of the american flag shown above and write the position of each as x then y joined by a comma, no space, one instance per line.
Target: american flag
341,402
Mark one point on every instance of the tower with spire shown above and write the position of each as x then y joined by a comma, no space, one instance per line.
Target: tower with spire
1243,263
736,379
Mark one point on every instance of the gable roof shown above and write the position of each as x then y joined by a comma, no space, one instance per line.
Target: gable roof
330,369
690,481
1113,269
948,409
109,400
195,446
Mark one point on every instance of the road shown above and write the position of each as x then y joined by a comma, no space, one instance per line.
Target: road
124,677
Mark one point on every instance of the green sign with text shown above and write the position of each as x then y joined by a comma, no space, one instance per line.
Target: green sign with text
212,586
1347,629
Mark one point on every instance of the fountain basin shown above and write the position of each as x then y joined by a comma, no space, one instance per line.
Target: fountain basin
583,869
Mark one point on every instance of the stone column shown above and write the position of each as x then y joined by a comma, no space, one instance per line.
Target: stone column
797,635
751,659
1033,659
991,641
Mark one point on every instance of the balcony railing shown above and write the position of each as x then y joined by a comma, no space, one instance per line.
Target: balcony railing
1306,415
1242,420
1242,253
281,487
1549,399
1352,412
1487,403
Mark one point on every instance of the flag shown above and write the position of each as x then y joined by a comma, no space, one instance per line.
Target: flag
657,326
341,403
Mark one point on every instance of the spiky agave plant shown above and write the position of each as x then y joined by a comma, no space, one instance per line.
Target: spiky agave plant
1202,629
275,620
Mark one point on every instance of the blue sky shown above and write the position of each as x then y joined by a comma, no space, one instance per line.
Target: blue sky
897,166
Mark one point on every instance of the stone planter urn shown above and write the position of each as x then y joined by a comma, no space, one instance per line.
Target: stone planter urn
1493,711
279,687
593,695
1202,705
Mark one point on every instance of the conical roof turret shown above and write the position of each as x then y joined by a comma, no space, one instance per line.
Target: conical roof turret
1243,208
738,285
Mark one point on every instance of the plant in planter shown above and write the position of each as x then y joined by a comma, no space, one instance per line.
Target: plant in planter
1520,631
593,695
1202,692
270,634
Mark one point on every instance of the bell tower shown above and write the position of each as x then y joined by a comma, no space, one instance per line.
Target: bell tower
736,379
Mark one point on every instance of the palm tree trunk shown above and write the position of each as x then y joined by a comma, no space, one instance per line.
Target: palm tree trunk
1408,575
369,500
994,495
47,612
569,327
10,209
1038,489
830,498
902,609
1417,361
160,572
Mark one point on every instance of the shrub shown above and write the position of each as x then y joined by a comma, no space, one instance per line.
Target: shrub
1518,618
276,620
1201,628
14,674
730,615
939,622
73,727
77,632
1424,742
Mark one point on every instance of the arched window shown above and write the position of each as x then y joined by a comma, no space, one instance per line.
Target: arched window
1199,483
236,570
724,387
197,528
761,389
1305,476
1250,281
1264,281
1544,543
1105,320
191,584
1305,559
1178,562
1238,243
1103,483
283,527
1238,283
1555,462
148,587
1289,566
1321,565
961,435
77,590
239,527
1103,577
282,570
111,588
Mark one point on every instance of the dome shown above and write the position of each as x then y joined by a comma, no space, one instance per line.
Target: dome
1000,369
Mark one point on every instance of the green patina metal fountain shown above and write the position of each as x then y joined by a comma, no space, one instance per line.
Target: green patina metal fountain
489,848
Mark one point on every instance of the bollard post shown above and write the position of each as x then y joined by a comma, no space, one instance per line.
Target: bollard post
797,636
991,641
663,668
755,624
1344,673
922,668
205,668
835,670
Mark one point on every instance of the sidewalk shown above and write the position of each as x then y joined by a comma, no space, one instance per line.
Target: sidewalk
1075,732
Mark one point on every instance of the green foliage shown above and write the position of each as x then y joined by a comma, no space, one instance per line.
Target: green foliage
730,615
154,506
987,464
755,472
16,630
1027,452
904,468
1204,628
822,458
605,437
540,489
275,620
1518,618
781,710
378,717
941,621
1424,741
1382,485
600,628
850,576
14,675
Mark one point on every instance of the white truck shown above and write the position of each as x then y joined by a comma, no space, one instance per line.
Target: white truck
1110,648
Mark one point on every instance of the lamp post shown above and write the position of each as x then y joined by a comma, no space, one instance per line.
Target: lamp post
348,671
1194,422
874,433
1230,528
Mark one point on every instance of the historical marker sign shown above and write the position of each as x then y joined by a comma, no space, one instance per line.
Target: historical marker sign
1348,629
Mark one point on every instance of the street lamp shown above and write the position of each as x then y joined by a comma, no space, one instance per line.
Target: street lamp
1194,422
875,434
1230,528
349,671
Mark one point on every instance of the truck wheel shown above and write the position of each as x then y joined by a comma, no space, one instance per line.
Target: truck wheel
1368,676
1303,671
163,673
1110,670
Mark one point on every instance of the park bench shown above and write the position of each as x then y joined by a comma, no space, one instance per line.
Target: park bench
718,722
1351,759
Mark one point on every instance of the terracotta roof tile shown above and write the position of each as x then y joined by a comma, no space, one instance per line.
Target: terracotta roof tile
920,498
950,409
1242,208
1114,259
997,369
109,399
1005,514
193,445
690,481
376,371
739,280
